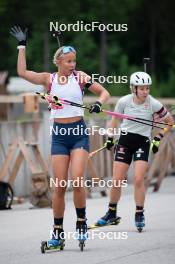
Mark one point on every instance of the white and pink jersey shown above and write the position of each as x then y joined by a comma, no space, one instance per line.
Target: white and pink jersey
71,91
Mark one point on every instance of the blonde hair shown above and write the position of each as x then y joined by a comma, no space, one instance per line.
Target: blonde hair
56,55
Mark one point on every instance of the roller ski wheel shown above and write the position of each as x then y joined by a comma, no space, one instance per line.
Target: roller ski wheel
139,222
139,229
81,245
52,245
43,246
81,229
101,223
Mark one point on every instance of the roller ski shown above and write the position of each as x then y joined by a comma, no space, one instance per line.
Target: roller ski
106,220
139,221
57,242
81,229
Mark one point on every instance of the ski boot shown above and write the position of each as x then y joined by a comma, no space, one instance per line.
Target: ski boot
56,243
81,229
139,220
106,220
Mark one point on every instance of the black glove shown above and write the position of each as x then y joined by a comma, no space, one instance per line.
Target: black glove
109,143
95,107
156,143
19,35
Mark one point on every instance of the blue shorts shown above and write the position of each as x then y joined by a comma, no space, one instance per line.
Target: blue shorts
67,137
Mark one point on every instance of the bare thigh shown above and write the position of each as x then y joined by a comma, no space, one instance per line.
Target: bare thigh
60,166
119,170
79,159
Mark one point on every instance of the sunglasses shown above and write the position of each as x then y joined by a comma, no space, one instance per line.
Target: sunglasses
68,49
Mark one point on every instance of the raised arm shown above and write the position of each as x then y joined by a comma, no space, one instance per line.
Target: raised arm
31,76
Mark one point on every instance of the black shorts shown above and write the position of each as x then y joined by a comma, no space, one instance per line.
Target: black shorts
132,146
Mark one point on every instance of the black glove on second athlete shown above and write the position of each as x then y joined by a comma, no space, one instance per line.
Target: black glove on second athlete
109,143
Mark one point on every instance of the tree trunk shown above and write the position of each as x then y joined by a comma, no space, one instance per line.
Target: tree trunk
46,52
152,39
103,42
103,53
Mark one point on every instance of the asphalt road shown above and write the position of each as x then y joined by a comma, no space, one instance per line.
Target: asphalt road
22,229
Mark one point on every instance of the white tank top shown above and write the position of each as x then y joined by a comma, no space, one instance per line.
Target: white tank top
70,91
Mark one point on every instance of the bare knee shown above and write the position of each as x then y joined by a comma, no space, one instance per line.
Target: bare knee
118,181
59,191
138,182
78,189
